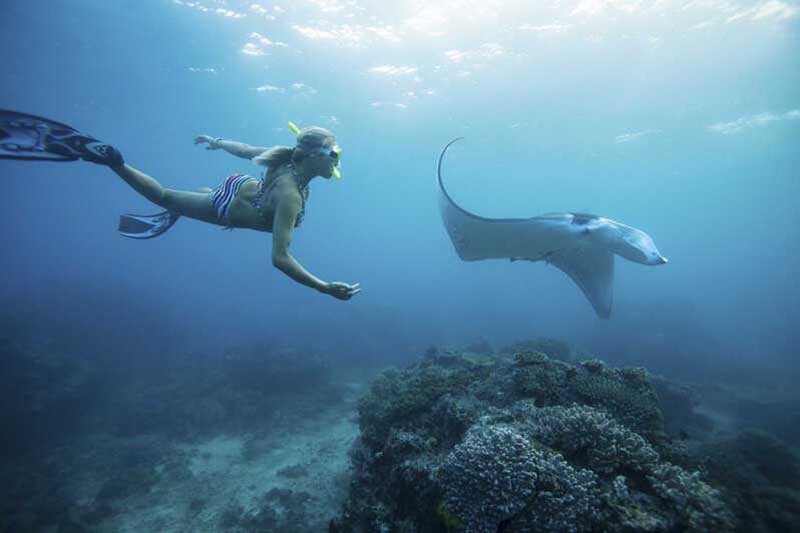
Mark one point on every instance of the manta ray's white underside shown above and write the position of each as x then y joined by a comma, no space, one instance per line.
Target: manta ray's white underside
580,245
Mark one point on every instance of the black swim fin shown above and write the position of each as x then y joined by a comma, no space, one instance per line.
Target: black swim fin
24,136
146,226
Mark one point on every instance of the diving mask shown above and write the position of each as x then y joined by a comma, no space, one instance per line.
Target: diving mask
333,152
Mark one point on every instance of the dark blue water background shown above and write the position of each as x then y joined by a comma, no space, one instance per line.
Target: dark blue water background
602,109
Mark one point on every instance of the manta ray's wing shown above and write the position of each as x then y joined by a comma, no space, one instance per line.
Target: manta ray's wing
558,238
592,269
475,237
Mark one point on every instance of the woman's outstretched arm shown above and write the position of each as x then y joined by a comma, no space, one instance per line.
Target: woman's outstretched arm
282,228
236,148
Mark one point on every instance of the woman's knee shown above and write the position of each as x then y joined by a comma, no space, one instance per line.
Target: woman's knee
170,199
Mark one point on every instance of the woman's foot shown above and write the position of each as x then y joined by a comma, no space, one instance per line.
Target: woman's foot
86,148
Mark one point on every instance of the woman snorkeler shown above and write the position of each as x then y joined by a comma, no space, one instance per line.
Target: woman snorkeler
274,204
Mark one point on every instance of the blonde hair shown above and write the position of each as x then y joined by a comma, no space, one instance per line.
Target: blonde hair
309,139
275,157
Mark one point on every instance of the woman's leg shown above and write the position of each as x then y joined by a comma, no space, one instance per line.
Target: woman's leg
191,204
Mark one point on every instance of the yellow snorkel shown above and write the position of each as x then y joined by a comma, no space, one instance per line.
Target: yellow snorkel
294,129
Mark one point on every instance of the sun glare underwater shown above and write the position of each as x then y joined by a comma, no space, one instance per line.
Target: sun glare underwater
361,266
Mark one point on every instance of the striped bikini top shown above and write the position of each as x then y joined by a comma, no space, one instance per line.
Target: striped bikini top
267,187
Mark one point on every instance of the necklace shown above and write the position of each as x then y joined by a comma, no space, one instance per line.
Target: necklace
302,189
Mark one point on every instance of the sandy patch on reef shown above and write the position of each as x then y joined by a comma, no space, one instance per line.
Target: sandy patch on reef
307,455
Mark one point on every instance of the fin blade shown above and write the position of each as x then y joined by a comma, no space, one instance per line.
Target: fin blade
24,136
30,137
146,226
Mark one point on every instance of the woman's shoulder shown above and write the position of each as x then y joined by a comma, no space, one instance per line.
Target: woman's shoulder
280,170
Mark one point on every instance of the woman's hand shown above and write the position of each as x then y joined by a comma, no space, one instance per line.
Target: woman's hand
342,291
212,141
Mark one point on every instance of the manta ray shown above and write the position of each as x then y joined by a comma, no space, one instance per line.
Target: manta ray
579,244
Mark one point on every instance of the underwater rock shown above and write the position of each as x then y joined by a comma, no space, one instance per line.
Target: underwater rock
206,412
293,471
524,445
481,346
44,395
125,485
769,456
278,371
131,471
280,511
444,358
761,474
236,393
678,403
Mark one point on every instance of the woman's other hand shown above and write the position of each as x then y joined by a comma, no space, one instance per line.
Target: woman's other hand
342,291
212,141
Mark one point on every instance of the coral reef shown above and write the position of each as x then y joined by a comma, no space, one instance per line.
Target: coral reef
588,436
489,477
497,476
556,349
530,444
625,393
255,439
412,394
697,506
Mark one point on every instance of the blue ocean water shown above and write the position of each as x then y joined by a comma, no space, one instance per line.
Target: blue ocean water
681,118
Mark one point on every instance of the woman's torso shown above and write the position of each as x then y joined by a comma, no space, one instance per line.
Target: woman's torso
256,200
